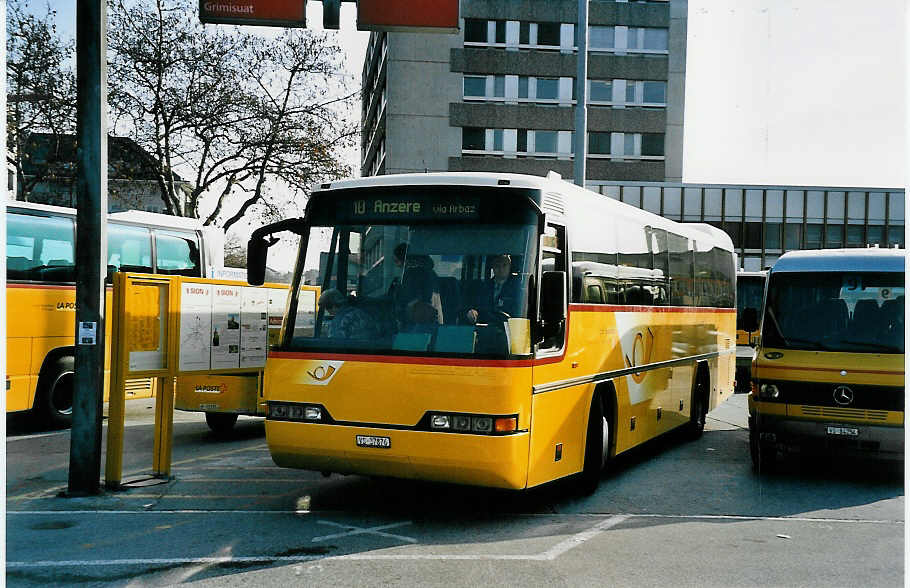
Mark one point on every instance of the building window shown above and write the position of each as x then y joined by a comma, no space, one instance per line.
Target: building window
524,33
473,139
497,139
522,145
654,93
652,144
500,31
599,143
547,89
601,37
793,236
475,30
545,141
647,39
600,91
814,236
548,33
523,86
499,86
475,86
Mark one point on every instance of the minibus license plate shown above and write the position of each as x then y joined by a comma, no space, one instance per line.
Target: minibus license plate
373,441
847,431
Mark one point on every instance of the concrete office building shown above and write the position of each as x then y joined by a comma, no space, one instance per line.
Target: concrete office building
499,96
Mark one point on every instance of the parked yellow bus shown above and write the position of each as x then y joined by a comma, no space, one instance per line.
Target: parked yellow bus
41,292
828,374
750,289
493,329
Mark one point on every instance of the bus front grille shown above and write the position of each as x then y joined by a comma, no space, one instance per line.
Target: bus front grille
844,413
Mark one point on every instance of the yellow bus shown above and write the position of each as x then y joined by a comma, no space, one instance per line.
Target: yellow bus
41,292
495,330
750,289
828,374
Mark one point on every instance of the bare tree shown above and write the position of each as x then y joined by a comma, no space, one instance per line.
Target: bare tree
232,112
40,96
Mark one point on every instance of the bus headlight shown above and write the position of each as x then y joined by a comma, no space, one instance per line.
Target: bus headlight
439,421
481,424
769,392
312,413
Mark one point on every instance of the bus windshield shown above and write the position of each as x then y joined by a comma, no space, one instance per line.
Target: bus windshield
450,289
856,312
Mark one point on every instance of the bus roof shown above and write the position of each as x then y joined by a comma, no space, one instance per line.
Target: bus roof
828,260
140,217
583,205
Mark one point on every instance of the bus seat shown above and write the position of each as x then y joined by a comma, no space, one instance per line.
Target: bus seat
412,341
453,339
893,312
18,264
59,263
867,315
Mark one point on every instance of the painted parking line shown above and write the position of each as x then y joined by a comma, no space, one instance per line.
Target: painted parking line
550,554
353,530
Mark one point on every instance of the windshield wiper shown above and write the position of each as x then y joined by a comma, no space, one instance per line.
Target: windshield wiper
816,344
873,345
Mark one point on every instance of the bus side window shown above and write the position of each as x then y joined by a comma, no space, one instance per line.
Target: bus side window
129,249
553,258
40,248
177,253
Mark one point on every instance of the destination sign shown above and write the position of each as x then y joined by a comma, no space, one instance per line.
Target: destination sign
406,207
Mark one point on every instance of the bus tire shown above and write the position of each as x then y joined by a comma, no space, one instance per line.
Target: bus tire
597,447
699,413
220,423
54,403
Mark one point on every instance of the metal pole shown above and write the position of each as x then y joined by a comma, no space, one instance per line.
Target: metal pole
581,94
91,246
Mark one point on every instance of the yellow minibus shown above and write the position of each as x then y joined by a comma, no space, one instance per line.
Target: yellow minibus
828,373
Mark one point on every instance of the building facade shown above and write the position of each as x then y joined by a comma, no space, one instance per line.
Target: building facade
499,96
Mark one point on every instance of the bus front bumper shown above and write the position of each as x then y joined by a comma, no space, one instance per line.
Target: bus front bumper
828,436
479,460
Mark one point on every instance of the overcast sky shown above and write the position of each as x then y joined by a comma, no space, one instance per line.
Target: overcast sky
809,92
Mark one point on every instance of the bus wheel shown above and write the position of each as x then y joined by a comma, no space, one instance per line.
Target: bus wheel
699,412
220,422
597,446
54,405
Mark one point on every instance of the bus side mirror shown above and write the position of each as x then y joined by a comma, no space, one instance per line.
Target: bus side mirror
750,320
553,301
257,250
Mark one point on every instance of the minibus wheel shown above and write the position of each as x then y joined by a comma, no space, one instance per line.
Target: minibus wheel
54,404
220,422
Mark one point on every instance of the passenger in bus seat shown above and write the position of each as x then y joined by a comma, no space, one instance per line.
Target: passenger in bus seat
348,321
501,293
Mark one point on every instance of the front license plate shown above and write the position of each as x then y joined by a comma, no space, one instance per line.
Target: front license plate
845,431
373,441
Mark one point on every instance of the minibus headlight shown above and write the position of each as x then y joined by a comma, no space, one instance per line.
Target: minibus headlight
278,411
312,413
769,392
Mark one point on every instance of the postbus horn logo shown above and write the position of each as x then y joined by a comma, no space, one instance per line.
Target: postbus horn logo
642,348
322,373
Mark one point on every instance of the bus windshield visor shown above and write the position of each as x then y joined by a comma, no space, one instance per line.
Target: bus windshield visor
852,312
453,289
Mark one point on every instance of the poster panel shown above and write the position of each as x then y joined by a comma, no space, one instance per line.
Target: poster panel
146,326
254,324
195,327
226,327
278,299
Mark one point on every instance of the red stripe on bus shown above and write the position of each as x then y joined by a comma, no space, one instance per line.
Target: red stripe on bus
403,359
633,308
43,286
